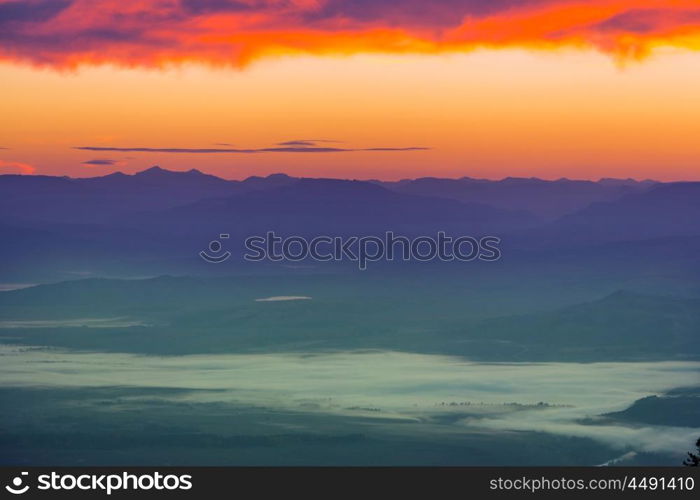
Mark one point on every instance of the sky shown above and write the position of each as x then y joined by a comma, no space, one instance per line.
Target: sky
362,89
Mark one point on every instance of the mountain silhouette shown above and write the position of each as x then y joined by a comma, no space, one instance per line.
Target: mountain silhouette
547,199
158,215
332,206
662,211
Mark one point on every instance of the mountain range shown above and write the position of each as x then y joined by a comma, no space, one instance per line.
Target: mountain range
159,215
61,198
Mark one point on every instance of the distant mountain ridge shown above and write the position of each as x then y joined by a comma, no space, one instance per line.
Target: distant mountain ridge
548,199
159,174
332,206
95,199
157,214
662,211
65,198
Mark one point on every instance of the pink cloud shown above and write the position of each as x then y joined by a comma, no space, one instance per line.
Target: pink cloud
14,167
154,33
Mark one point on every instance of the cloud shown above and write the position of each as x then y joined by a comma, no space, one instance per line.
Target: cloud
30,11
279,149
643,21
283,298
306,142
296,143
157,33
100,162
14,167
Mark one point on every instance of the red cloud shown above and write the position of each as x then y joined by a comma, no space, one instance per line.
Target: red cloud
13,167
155,33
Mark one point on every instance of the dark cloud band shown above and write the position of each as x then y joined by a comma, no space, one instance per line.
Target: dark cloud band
69,33
281,149
100,162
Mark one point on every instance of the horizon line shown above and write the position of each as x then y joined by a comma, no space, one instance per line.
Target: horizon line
369,179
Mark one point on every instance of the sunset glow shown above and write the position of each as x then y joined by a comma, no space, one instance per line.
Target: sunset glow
547,88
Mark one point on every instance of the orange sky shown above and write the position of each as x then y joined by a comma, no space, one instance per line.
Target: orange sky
560,89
